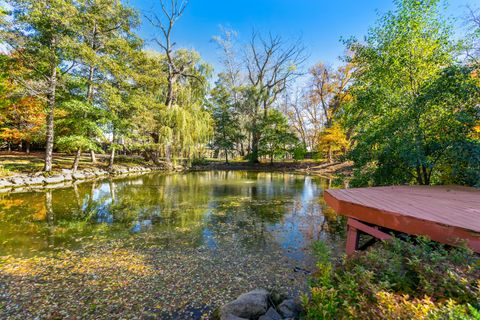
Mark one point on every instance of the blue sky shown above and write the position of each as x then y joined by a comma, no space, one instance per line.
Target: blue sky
320,23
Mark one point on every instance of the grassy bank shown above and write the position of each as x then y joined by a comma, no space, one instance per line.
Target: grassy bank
397,280
12,163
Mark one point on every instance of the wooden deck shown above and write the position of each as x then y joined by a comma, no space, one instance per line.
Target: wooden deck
447,214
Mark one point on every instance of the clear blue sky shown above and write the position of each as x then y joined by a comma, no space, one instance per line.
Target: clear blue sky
320,23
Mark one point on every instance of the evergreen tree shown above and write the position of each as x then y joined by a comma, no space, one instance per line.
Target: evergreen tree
227,131
277,139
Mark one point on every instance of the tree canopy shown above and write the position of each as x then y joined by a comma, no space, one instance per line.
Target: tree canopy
402,104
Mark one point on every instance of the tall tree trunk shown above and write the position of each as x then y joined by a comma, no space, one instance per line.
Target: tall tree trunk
426,176
330,155
91,73
27,147
50,116
226,156
419,175
169,99
242,149
76,160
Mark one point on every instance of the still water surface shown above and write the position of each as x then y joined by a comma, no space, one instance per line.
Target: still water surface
251,228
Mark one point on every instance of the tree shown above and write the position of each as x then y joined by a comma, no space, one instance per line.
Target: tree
403,130
43,33
332,140
22,117
23,121
234,80
176,68
271,64
316,112
107,27
188,123
276,137
118,94
473,37
227,131
184,70
329,92
75,126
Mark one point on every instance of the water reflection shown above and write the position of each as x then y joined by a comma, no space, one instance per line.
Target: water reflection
253,209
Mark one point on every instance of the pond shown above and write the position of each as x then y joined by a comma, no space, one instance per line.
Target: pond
159,245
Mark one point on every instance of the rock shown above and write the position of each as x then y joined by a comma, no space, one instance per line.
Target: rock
55,179
17,180
289,308
277,296
78,176
88,174
271,314
232,317
249,305
34,180
5,184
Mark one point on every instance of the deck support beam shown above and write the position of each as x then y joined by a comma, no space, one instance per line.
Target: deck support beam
354,227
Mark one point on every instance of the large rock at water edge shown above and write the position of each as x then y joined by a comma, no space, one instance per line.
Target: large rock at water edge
55,179
249,305
271,314
289,308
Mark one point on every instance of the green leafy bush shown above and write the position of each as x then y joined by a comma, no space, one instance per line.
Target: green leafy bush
396,280
200,161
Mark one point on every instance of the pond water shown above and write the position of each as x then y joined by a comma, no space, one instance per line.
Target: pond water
159,245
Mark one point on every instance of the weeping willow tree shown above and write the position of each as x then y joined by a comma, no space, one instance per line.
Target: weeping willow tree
181,129
186,128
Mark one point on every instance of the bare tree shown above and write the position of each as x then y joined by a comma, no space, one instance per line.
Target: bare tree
472,21
172,11
226,43
299,118
271,63
328,91
234,78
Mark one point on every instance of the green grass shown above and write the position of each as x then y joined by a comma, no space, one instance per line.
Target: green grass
16,162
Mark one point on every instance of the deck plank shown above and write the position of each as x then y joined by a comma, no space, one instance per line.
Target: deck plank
441,212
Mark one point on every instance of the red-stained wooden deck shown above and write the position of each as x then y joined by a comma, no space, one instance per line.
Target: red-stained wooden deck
447,214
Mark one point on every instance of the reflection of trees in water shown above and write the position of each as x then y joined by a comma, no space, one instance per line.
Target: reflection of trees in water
255,205
193,206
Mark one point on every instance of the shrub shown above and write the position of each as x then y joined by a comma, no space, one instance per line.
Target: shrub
396,280
200,161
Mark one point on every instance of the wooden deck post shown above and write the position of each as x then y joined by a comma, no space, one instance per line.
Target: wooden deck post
352,238
353,234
